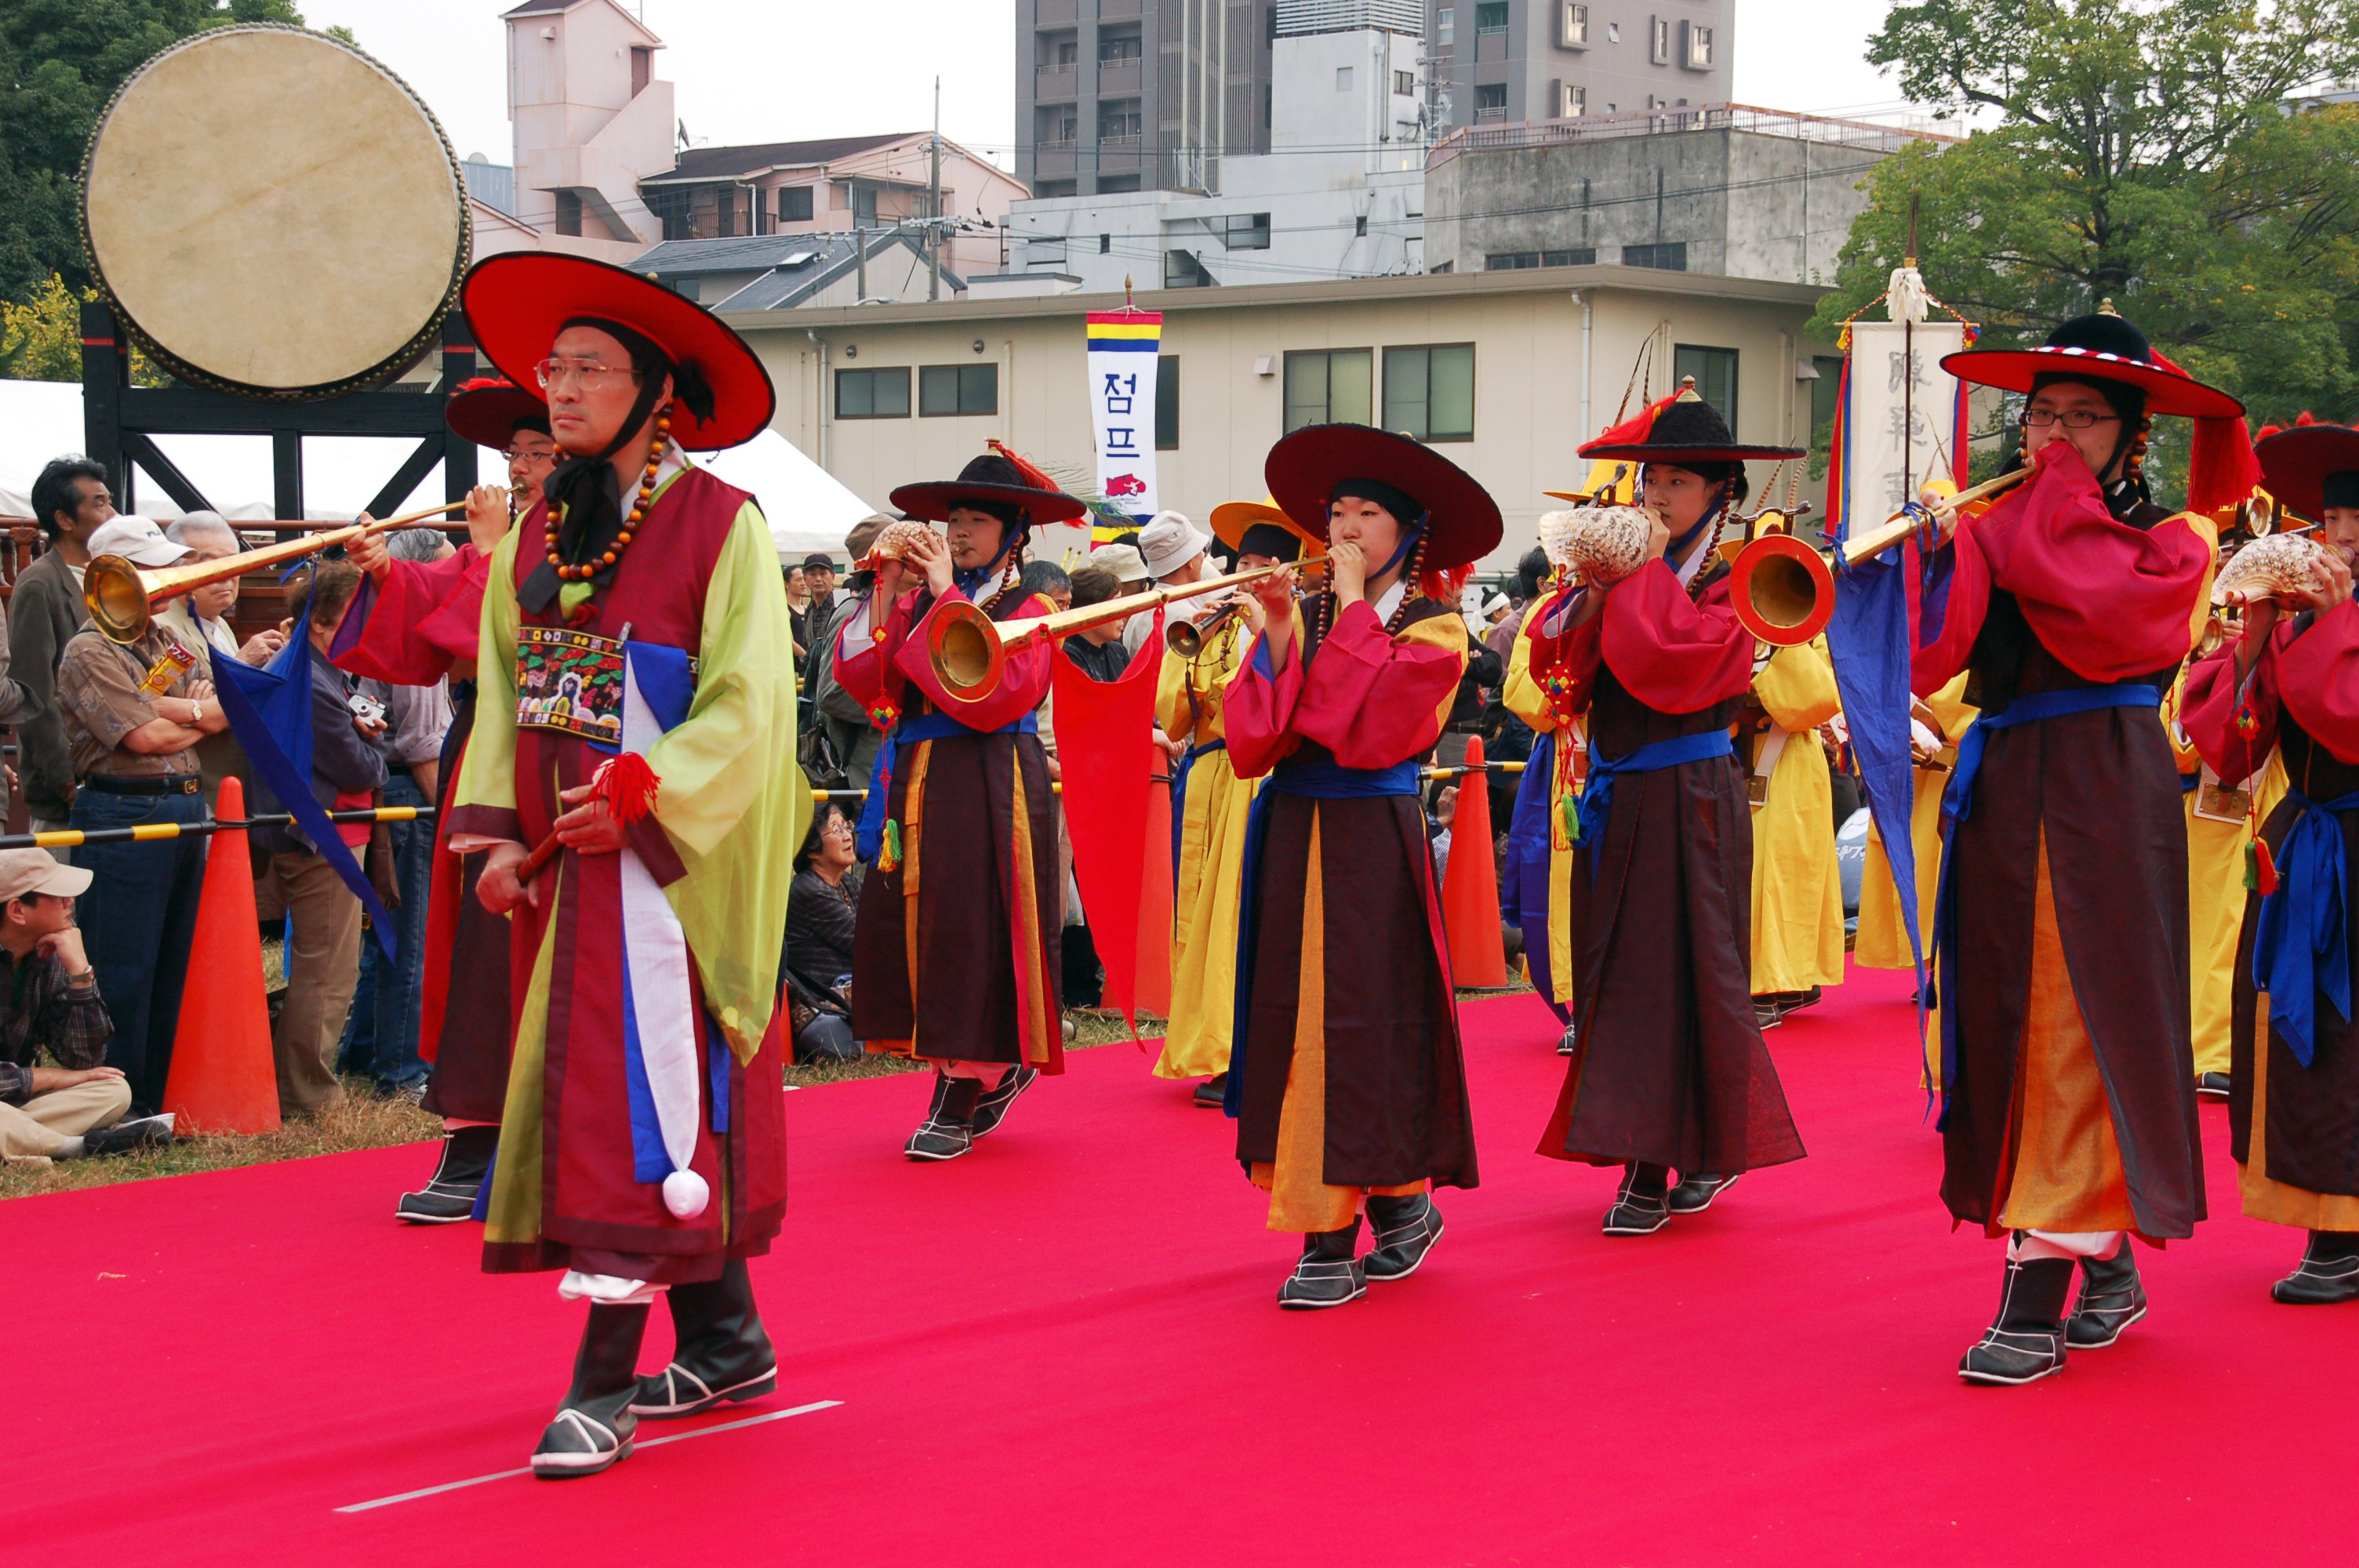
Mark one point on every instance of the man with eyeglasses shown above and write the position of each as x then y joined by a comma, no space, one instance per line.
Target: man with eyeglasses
2062,924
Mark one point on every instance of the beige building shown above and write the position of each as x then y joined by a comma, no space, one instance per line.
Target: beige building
1505,372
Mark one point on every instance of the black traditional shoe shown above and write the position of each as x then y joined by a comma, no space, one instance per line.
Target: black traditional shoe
1767,1014
594,1427
1794,1001
1694,1193
948,1131
133,1132
2211,1086
2026,1343
723,1353
1213,1094
991,1109
1405,1231
1328,1274
1569,1042
2328,1274
2112,1298
449,1196
1641,1208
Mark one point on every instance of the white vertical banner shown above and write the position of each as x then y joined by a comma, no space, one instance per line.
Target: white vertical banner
1123,347
1899,423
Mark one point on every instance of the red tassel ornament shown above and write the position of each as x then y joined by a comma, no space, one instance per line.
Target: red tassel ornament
627,786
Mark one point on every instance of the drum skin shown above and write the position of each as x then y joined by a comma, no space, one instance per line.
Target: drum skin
275,214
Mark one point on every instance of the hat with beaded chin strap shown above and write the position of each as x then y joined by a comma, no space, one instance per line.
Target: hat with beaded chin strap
25,872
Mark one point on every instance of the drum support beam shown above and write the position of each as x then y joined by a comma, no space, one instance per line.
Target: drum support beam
120,422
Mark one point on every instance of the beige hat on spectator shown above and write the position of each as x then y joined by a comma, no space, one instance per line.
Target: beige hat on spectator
136,540
863,535
25,872
1123,560
1170,542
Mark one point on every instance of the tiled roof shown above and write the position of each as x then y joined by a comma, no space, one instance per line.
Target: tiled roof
713,163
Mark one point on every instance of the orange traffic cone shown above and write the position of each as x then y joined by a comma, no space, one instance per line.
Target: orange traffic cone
223,1077
1155,895
1470,890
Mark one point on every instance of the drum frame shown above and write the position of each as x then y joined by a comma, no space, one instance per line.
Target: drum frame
402,360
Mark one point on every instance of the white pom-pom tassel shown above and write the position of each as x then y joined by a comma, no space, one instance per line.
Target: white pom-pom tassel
686,1193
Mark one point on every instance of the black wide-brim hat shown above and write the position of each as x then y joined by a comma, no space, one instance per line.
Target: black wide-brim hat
1681,431
2097,347
518,301
1303,469
2297,463
990,479
489,412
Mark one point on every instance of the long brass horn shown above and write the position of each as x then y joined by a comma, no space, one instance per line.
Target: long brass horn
969,650
120,595
1784,592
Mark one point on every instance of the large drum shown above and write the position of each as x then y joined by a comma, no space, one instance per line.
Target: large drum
273,213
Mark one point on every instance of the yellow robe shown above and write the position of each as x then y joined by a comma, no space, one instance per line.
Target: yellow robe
1205,894
1883,942
1798,915
2215,892
1527,702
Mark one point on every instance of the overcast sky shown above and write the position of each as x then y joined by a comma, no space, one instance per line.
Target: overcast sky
774,71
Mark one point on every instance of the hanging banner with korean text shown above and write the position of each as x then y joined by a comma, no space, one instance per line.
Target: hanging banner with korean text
1124,346
1900,423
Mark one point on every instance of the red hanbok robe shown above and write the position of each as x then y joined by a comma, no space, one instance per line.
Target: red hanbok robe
1668,1065
2294,1129
410,630
2072,1103
955,954
1346,1069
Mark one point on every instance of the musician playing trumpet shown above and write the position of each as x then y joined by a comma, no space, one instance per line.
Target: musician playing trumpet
1668,1068
2291,681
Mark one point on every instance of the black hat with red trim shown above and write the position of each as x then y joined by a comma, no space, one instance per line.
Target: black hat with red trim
489,411
1681,430
1307,469
2310,467
2101,346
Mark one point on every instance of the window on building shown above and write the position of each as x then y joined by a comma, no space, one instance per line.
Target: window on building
1167,403
1571,101
794,204
569,213
873,394
1490,100
1658,45
1343,78
1360,226
1572,25
1429,391
1327,387
1045,250
1405,83
1491,17
686,287
1115,46
671,209
1826,393
1119,118
1182,270
1065,128
1055,187
643,68
1698,53
724,213
1247,232
1613,32
1445,24
1665,258
1516,261
864,206
957,389
1715,371
1114,183
1068,54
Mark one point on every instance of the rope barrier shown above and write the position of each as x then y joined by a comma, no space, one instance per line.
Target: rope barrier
1450,772
69,839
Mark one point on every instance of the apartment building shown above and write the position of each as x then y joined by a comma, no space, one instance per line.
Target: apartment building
1505,61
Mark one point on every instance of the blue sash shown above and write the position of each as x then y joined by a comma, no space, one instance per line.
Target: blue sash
1597,796
908,731
2302,944
1319,781
1958,804
1524,898
1180,771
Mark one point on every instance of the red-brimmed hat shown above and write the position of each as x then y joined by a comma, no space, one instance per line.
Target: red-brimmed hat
2097,347
518,301
996,481
489,411
2300,463
1303,469
1680,431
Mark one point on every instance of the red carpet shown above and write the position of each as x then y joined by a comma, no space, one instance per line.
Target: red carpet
1063,1349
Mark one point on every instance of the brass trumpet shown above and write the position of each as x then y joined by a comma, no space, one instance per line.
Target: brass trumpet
120,595
1187,638
968,649
1784,592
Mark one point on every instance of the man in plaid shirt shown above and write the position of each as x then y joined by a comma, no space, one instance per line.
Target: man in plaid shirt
49,1000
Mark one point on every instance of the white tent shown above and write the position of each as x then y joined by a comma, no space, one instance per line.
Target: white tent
808,509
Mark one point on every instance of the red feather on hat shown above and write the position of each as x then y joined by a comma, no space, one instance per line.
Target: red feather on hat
1634,430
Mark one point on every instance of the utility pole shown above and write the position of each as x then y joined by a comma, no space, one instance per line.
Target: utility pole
860,266
934,227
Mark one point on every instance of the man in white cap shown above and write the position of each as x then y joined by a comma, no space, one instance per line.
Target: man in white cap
49,1002
134,713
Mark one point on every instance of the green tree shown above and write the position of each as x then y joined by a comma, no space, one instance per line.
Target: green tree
2145,154
40,339
61,60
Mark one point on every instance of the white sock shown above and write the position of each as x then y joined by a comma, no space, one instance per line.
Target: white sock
72,1149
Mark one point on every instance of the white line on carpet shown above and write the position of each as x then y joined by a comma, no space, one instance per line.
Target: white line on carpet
643,1443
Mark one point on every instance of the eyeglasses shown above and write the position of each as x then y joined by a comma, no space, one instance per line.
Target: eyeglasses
838,825
513,456
588,375
2071,418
